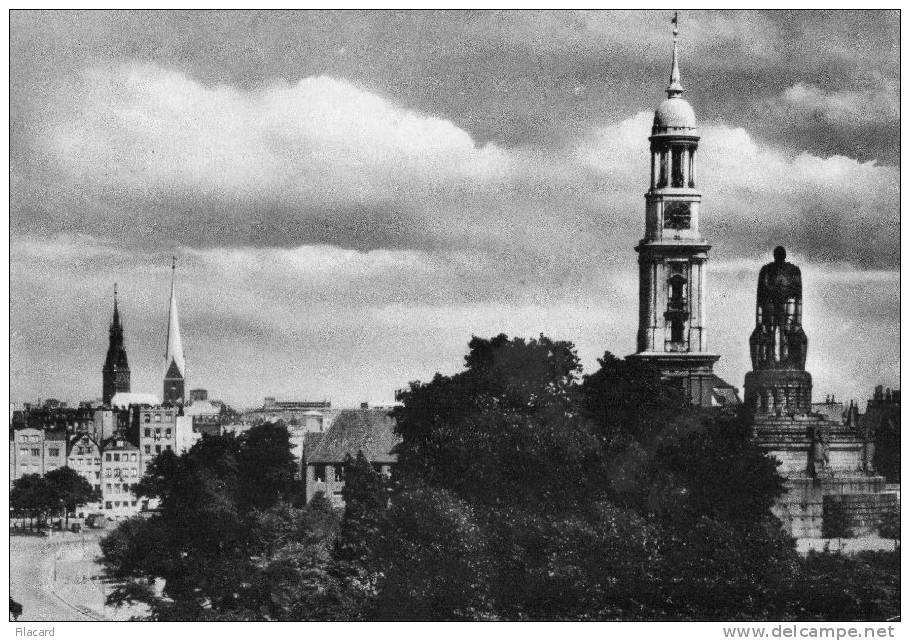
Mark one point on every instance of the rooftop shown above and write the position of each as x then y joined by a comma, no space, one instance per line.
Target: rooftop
370,431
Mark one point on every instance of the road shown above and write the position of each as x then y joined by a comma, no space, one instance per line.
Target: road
31,578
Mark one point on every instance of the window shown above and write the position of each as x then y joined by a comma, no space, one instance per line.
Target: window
108,505
134,472
147,418
23,451
81,450
157,449
157,418
319,473
167,432
116,456
107,457
148,431
677,330
116,503
133,457
107,472
97,461
167,447
54,451
148,449
107,486
677,167
339,472
79,461
36,451
134,503
97,487
97,475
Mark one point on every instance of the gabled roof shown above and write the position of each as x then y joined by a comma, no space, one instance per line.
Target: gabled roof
77,438
370,431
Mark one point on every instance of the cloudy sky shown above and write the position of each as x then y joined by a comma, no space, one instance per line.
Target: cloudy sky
351,196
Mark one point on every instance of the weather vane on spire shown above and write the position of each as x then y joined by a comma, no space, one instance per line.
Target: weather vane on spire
173,262
675,22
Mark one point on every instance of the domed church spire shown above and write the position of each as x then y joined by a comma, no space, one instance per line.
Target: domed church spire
672,256
675,88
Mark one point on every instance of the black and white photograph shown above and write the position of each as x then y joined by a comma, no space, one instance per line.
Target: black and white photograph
450,315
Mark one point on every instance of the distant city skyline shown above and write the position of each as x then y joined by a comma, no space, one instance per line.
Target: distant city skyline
352,195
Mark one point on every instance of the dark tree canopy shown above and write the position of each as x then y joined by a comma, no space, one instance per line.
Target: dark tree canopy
522,491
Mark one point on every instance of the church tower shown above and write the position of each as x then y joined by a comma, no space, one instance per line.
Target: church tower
672,256
115,374
174,365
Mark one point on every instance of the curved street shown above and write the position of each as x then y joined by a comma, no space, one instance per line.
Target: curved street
32,579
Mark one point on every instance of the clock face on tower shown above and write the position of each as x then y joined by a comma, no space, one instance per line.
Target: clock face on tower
677,216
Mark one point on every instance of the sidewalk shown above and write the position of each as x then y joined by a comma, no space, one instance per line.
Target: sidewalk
77,578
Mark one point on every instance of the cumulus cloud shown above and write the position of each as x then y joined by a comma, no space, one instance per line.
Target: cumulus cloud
833,209
151,155
319,138
806,102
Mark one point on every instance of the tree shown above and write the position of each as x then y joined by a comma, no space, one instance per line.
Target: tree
33,497
839,587
890,527
585,497
71,489
226,542
435,560
354,565
835,521
266,466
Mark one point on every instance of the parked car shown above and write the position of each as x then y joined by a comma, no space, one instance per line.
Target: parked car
95,521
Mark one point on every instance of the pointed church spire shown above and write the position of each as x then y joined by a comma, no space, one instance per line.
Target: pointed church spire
116,320
116,370
675,88
174,364
174,351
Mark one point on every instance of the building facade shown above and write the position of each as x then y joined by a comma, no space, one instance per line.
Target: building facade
121,469
154,430
35,451
84,457
371,431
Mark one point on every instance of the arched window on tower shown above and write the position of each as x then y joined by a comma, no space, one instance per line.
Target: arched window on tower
677,294
677,167
662,180
677,330
677,311
691,153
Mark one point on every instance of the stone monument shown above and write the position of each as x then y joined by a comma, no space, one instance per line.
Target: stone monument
823,460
